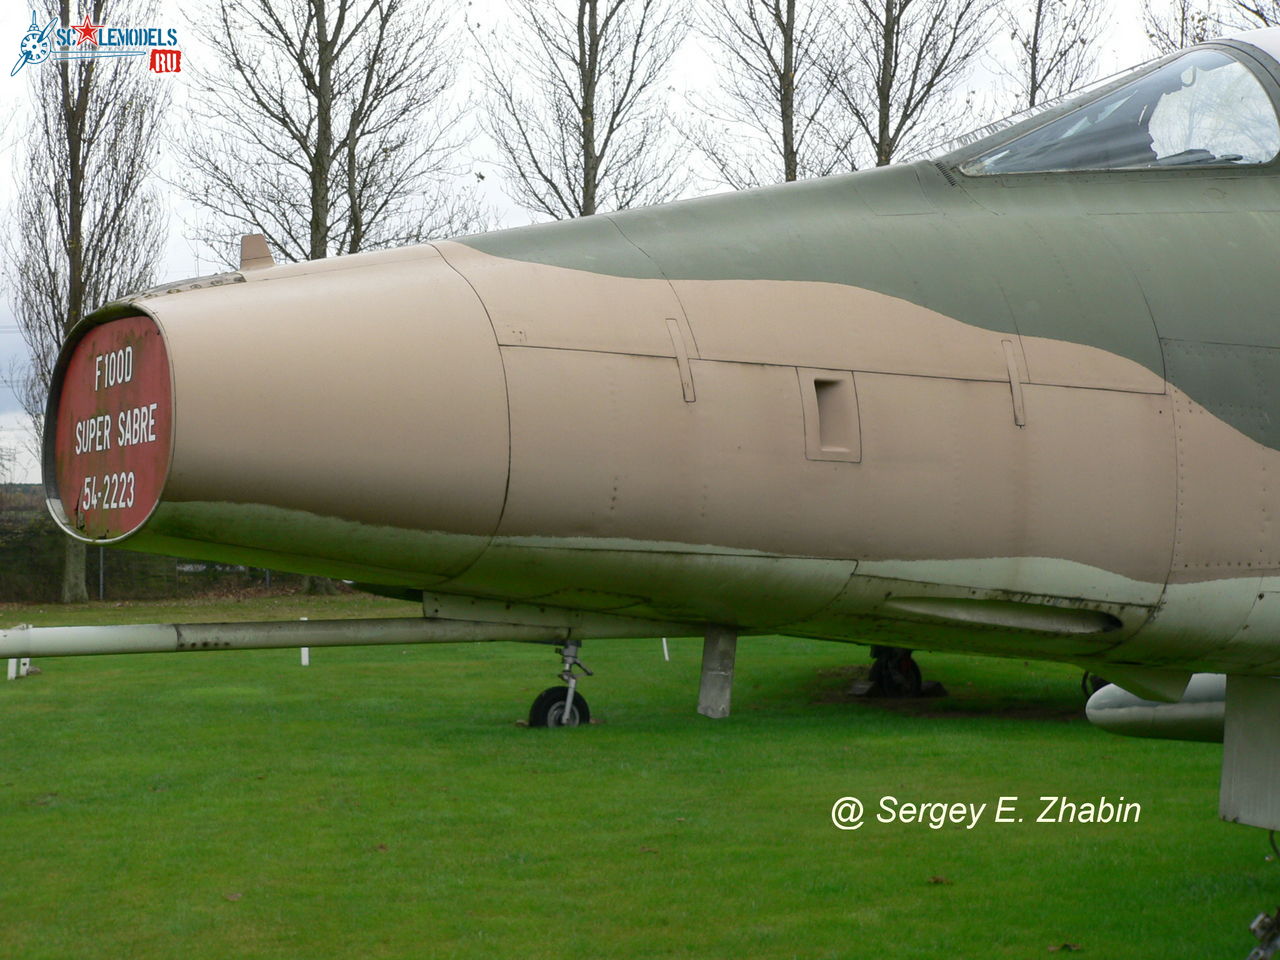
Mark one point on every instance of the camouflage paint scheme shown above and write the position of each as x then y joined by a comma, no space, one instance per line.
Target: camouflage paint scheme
1033,415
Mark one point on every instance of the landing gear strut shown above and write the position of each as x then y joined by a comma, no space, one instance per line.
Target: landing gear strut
562,706
1267,929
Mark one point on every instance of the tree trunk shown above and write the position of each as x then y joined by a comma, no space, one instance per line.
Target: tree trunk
319,586
75,109
1033,57
588,60
787,93
884,91
73,585
322,164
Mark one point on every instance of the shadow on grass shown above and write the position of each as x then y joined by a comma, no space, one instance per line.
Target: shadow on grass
992,696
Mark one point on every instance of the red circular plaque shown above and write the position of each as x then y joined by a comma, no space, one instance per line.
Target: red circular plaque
114,428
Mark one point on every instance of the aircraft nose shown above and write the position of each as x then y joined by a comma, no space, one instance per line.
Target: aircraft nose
365,391
112,424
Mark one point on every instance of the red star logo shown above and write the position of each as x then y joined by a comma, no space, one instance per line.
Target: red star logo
88,31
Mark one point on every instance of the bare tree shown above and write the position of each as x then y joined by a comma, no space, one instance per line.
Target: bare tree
87,226
1251,14
326,126
1055,44
576,103
8,460
774,118
901,64
1176,24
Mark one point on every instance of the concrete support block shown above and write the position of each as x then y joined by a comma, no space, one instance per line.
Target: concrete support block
1251,753
718,652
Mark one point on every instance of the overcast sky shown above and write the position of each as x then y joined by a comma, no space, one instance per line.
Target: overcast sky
1124,44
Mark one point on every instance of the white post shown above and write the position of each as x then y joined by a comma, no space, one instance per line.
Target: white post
13,669
24,666
306,656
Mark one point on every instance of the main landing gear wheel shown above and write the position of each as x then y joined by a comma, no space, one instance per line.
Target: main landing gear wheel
895,673
1267,929
562,706
548,709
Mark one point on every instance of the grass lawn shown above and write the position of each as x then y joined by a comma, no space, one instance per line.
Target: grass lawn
383,803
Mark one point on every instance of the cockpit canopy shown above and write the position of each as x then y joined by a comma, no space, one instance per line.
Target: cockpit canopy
1205,107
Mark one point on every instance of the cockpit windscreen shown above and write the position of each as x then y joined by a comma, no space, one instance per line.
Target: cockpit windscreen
1203,108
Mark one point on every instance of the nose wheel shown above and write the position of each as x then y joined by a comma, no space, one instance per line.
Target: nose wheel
563,706
548,708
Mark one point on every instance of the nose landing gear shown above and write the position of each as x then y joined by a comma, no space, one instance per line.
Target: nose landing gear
562,706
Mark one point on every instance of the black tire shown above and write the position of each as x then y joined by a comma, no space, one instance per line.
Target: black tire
897,675
548,709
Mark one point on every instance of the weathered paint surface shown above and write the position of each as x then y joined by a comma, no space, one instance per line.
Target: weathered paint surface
1047,402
